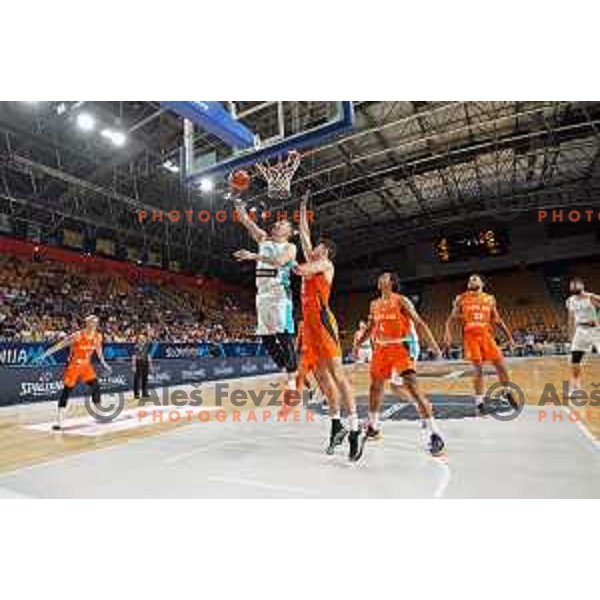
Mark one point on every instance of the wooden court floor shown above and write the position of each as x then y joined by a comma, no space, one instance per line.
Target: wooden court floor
21,446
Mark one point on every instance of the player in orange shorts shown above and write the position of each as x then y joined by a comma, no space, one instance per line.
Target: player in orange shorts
307,367
478,314
84,344
320,337
390,326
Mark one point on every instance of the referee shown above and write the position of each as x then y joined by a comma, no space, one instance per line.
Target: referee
141,362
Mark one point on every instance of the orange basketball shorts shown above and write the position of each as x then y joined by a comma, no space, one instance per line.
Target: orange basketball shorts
76,372
389,359
320,335
480,347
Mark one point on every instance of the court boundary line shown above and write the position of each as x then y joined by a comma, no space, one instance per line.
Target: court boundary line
263,485
582,427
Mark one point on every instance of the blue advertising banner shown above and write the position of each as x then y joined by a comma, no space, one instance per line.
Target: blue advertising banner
36,384
24,379
15,354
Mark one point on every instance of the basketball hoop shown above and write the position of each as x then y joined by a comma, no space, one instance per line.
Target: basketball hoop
279,176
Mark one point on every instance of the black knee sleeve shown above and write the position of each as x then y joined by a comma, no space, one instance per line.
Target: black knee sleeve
95,391
288,350
64,397
272,345
576,357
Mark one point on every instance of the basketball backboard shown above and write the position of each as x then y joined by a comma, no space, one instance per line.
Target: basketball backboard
223,136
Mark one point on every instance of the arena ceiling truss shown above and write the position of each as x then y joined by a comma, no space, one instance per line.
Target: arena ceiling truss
408,170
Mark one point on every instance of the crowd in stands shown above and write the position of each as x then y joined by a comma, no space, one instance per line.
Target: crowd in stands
44,300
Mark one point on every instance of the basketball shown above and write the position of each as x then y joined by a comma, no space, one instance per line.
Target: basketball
239,180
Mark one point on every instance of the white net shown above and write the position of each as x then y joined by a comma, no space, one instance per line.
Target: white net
279,176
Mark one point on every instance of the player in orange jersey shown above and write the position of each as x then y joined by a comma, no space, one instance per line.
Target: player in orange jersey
478,314
320,337
390,326
84,344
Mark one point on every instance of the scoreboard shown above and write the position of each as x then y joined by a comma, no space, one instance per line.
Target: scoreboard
479,244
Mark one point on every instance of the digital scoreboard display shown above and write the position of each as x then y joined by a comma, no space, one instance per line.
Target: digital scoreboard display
480,244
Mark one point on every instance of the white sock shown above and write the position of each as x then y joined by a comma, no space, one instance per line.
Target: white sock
335,415
374,419
478,399
353,420
291,382
432,425
424,432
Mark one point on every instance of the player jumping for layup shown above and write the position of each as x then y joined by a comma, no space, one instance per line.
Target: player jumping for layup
584,327
84,344
390,326
274,260
320,336
478,314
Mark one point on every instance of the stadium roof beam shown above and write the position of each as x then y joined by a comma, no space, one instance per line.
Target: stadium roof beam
427,132
429,163
26,167
407,143
381,194
391,186
31,165
463,144
398,164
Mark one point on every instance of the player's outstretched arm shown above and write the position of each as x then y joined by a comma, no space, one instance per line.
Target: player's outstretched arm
452,318
288,255
256,233
313,267
64,343
421,326
361,337
100,354
304,227
499,321
594,299
570,322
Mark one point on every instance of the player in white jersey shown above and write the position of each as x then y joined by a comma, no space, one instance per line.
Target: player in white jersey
365,349
274,260
584,327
